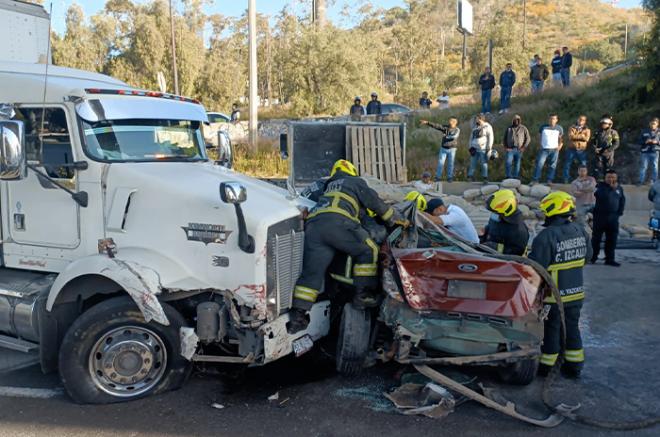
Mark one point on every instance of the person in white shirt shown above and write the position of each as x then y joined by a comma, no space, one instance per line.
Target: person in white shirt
552,140
453,218
481,146
443,100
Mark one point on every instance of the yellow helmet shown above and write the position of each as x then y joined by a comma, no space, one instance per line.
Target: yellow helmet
418,198
557,203
502,202
345,166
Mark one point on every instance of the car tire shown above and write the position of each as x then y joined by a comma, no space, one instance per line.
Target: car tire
353,340
111,354
522,372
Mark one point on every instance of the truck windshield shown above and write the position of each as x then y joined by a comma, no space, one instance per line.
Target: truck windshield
144,140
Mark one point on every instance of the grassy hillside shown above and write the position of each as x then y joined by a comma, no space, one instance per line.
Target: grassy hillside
593,97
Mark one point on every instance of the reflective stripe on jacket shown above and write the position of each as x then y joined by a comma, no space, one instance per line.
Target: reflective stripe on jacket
349,196
562,248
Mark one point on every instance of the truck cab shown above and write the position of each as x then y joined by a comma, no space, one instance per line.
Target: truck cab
125,253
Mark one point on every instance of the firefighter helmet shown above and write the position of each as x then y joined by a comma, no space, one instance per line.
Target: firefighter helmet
418,198
345,166
557,203
502,202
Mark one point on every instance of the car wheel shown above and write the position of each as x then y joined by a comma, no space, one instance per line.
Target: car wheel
110,354
353,340
521,372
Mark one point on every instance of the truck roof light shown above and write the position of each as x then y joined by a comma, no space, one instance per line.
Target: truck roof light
142,94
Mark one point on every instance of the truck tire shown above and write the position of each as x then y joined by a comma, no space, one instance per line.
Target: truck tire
110,354
522,372
353,340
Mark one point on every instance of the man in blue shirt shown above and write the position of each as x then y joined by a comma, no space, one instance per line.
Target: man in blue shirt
566,63
507,80
487,83
650,147
424,101
556,68
551,137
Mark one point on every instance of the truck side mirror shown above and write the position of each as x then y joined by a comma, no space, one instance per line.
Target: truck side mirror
235,193
232,192
13,162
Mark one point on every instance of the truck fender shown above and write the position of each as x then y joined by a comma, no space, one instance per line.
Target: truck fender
140,282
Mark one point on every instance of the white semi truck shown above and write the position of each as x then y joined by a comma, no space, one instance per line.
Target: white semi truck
125,253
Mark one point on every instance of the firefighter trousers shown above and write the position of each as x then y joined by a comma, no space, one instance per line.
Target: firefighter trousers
325,235
551,348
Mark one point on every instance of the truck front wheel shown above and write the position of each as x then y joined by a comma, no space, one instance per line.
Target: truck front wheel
353,340
110,354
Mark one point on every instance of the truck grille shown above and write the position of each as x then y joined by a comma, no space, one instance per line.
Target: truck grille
286,242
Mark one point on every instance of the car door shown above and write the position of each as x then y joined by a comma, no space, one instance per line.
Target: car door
40,213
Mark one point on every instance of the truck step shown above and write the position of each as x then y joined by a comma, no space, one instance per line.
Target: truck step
17,344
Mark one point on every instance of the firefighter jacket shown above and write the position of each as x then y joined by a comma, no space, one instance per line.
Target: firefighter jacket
350,196
508,235
562,248
606,141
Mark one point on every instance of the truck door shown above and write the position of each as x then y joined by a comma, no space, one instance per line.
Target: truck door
41,214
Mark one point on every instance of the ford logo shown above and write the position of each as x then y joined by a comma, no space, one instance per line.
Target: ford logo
468,267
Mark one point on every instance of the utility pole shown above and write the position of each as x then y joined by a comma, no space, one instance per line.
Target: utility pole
524,38
625,45
490,54
253,98
464,51
175,73
319,12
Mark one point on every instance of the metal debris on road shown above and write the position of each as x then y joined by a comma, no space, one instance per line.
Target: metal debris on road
430,400
217,406
274,397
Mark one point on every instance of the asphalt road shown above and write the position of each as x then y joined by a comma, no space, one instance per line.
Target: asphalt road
621,327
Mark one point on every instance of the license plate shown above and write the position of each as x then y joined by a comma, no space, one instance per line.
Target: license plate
302,345
467,289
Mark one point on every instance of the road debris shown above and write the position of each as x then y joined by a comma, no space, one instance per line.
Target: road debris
217,406
430,400
274,397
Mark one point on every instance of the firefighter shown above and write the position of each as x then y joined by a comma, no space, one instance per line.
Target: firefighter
562,248
506,231
334,225
418,198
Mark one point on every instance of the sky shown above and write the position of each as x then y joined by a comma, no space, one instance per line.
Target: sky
237,7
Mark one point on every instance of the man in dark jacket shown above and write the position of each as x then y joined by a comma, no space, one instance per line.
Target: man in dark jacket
506,231
610,203
605,142
357,110
373,107
333,225
562,248
487,83
516,140
555,64
424,101
447,146
538,75
566,64
649,142
507,80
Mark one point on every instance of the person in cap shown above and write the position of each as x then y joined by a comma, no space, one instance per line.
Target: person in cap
562,248
357,110
506,230
374,105
333,225
605,142
453,218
